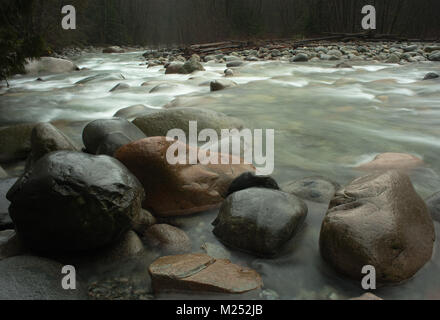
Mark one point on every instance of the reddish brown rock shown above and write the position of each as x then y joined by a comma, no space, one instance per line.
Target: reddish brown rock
180,189
168,239
390,161
201,273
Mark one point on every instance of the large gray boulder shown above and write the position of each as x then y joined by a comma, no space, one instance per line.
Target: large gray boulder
49,65
15,142
108,135
159,123
45,138
34,278
71,201
378,220
259,221
188,67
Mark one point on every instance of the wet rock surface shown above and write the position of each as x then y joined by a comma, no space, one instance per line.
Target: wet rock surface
179,189
378,220
167,239
72,201
201,273
316,189
259,221
15,142
251,180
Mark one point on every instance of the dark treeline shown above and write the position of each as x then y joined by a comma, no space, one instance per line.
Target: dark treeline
163,22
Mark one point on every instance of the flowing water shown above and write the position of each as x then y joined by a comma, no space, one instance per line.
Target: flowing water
326,120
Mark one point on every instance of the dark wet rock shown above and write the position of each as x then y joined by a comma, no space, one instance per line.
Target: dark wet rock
390,161
184,68
378,220
143,221
201,273
251,180
430,49
49,65
158,124
430,76
120,86
410,48
34,278
179,189
167,239
316,189
433,203
5,219
130,113
229,73
113,49
259,221
10,245
300,57
15,142
73,201
45,139
343,65
112,142
222,84
234,64
367,296
435,56
173,68
393,58
110,133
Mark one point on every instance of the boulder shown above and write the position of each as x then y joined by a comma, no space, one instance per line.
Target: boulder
202,273
49,65
410,48
393,58
390,161
316,189
378,220
229,73
300,57
234,64
251,180
10,245
132,112
167,239
430,49
158,124
343,65
120,86
184,68
430,76
179,189
5,219
259,221
111,133
15,142
143,221
112,142
222,84
45,138
71,201
435,56
433,203
33,278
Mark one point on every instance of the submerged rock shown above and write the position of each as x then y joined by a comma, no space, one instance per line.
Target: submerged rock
49,65
433,203
316,189
15,142
71,201
168,239
201,273
390,161
178,189
34,278
45,139
251,180
378,220
120,86
430,76
109,135
158,124
259,221
222,84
